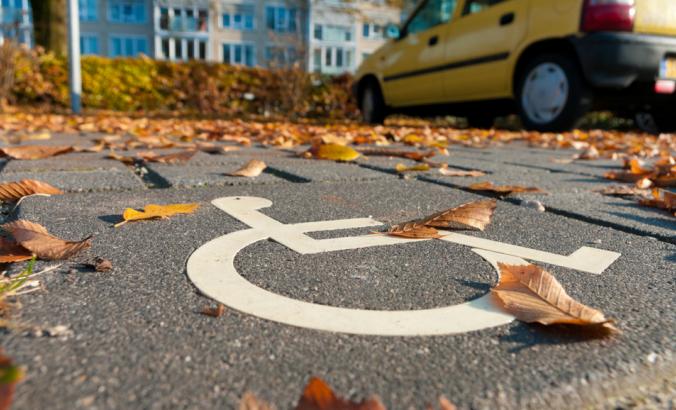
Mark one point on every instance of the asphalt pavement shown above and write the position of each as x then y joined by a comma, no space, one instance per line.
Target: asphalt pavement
136,339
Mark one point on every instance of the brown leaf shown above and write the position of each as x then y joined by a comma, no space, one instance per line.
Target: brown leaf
124,159
661,199
644,183
211,148
504,189
401,168
102,265
36,239
590,153
217,311
13,191
534,295
622,190
319,396
35,151
665,181
10,375
413,155
171,159
252,169
474,215
11,251
251,402
414,230
460,173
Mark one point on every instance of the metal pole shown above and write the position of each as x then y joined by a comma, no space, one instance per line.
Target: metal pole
74,56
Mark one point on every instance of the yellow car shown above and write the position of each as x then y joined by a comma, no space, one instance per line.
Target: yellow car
548,60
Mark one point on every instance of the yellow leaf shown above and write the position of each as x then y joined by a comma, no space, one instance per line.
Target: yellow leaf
156,212
334,152
415,168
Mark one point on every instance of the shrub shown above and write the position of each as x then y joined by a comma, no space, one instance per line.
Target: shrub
143,84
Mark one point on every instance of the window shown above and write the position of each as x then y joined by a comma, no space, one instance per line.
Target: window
242,54
164,18
188,19
372,31
165,48
318,32
241,20
366,30
317,59
127,46
476,6
88,10
433,13
89,44
333,33
281,19
127,11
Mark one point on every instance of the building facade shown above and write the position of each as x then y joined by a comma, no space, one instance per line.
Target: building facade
327,36
16,21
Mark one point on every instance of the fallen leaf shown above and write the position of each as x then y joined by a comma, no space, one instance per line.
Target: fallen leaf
156,212
250,402
414,230
635,172
590,153
124,159
661,199
35,151
460,173
252,169
211,148
473,215
622,190
10,375
171,159
217,311
13,191
334,152
415,168
102,265
665,181
319,396
644,183
11,252
413,155
532,294
504,189
36,239
445,404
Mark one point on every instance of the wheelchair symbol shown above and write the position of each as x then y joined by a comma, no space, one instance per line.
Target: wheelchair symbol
211,268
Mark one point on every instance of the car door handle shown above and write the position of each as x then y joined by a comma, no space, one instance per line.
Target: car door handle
433,41
507,19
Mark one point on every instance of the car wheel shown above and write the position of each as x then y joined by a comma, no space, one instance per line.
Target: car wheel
551,93
665,121
645,122
480,120
372,104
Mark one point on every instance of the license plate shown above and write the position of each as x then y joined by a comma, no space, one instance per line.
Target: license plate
668,68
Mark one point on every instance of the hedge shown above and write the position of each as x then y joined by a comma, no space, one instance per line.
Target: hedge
144,84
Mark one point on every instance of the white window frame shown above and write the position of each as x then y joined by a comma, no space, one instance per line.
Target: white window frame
242,44
124,37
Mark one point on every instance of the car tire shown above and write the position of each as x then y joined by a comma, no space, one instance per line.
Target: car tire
484,121
551,93
372,104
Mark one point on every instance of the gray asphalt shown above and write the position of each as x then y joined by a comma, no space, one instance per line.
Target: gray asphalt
138,342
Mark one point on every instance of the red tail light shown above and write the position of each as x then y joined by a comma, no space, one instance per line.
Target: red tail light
608,15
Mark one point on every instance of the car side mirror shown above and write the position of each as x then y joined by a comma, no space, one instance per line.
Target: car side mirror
392,31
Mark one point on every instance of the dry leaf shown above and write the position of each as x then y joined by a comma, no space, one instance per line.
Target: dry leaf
13,191
635,173
211,148
217,311
251,402
252,169
124,159
415,168
665,181
474,215
319,396
36,239
534,295
156,212
644,183
622,190
10,375
414,230
334,152
102,265
171,159
504,189
413,155
460,173
590,153
35,151
661,199
11,251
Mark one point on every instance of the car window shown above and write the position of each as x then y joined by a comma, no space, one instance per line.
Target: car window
432,13
477,6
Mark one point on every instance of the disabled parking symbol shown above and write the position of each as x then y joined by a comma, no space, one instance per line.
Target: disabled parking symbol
211,268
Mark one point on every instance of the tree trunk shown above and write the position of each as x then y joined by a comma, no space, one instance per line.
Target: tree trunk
49,23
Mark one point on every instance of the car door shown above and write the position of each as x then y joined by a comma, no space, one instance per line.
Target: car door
410,75
481,46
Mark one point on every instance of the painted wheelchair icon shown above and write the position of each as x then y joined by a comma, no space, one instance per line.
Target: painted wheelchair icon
211,268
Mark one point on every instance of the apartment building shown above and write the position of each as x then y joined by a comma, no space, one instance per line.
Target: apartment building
328,36
16,21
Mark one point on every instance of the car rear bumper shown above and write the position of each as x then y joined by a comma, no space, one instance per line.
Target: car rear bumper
617,60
